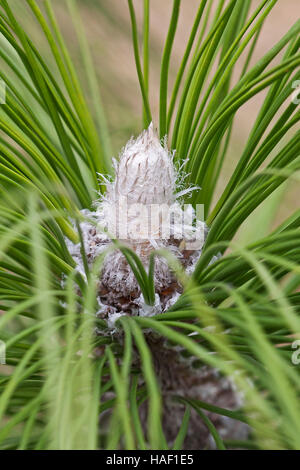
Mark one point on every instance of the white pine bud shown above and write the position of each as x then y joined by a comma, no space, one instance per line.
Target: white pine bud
145,174
142,209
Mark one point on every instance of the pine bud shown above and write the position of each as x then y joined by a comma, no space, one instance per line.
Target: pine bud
142,209
145,174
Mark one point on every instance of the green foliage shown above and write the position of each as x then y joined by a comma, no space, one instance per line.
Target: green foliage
52,145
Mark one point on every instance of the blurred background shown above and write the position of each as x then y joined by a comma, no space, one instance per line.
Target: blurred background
108,30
